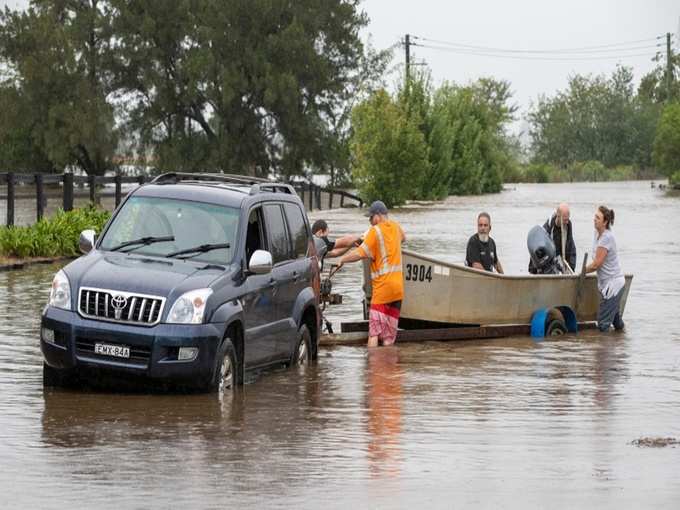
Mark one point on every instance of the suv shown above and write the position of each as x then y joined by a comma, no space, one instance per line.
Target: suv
195,279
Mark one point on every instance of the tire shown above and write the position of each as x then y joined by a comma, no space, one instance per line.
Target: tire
302,354
555,325
225,376
57,378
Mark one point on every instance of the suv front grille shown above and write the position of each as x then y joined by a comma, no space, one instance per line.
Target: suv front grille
118,306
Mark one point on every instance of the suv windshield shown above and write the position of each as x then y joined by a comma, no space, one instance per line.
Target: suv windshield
163,226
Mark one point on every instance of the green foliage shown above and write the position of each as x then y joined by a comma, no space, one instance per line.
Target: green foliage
262,95
57,56
461,135
667,140
247,87
537,172
595,119
469,148
580,171
654,85
390,152
50,237
674,179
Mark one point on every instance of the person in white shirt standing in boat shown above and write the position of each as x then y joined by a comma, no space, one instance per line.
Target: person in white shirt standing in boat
610,280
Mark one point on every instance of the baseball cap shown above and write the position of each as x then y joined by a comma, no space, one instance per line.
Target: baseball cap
377,207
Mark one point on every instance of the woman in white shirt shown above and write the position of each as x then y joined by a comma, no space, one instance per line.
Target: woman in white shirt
610,279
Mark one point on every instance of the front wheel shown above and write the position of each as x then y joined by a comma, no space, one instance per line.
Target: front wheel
302,354
224,377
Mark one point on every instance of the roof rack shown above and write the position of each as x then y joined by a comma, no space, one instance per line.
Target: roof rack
257,184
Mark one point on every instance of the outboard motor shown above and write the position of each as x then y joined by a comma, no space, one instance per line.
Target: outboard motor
542,252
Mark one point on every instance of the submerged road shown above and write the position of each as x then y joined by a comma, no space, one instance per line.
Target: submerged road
570,422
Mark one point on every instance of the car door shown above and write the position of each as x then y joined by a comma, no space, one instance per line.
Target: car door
285,278
301,263
258,298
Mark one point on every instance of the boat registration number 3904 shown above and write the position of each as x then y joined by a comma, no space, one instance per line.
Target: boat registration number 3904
119,351
418,273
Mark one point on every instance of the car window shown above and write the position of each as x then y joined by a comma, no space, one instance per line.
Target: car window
278,238
255,236
298,230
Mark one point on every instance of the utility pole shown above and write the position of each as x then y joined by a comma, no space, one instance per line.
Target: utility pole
669,67
407,50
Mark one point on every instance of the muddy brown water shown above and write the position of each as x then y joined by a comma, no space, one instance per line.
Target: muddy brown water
508,423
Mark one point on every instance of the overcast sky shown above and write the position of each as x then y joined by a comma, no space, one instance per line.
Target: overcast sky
535,25
526,25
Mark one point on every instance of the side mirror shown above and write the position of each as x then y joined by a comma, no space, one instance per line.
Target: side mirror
86,241
260,262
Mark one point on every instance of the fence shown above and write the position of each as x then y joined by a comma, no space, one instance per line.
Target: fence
313,196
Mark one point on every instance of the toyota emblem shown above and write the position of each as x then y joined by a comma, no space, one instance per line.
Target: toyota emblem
118,303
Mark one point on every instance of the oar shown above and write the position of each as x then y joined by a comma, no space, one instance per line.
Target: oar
579,285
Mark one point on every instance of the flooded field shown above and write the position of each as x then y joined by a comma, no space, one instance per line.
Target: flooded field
587,421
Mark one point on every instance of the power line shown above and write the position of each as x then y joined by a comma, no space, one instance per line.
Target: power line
612,47
492,54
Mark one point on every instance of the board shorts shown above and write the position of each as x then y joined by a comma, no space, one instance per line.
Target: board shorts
383,320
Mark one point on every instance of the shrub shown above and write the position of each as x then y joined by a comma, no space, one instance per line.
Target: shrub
50,237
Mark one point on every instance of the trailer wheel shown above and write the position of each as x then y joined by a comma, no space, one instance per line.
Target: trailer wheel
556,327
555,324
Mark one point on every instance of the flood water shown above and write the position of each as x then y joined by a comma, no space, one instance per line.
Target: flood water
508,423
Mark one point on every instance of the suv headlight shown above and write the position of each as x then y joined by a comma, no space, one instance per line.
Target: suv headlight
60,295
189,307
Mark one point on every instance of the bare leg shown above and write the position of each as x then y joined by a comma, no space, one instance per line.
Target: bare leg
372,341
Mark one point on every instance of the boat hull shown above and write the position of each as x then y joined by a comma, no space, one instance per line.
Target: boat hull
441,292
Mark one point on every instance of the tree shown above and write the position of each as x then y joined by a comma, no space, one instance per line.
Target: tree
390,154
594,119
469,148
364,81
654,85
57,53
255,83
667,140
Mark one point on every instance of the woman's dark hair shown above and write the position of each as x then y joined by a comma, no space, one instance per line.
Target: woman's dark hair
607,214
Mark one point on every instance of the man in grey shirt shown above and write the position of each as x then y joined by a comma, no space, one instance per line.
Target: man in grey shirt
610,279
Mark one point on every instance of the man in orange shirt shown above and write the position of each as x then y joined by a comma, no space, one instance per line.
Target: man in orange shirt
382,245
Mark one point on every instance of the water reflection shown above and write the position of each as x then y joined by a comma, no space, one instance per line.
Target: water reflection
384,405
77,419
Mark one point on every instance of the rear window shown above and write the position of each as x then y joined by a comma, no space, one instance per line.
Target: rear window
298,230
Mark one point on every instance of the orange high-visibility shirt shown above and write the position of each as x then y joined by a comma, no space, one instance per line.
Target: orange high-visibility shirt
382,245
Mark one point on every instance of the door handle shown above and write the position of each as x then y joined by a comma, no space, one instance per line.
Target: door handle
295,276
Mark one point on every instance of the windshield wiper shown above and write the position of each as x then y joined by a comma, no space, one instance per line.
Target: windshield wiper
200,249
143,241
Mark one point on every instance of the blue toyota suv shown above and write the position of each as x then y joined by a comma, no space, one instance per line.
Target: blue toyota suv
195,279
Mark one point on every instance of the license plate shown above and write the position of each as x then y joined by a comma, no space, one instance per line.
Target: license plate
119,351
